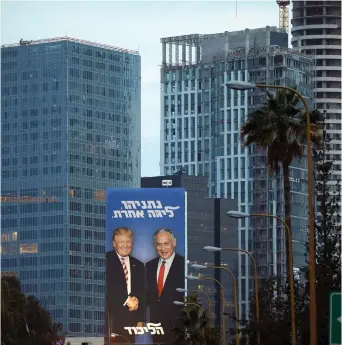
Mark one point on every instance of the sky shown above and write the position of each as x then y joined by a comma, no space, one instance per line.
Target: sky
136,25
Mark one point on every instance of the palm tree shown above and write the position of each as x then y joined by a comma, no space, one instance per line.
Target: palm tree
279,127
196,327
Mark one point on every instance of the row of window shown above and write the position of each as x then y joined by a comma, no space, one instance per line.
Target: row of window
87,193
121,114
30,288
56,233
87,261
87,274
87,314
73,86
76,327
56,273
52,219
86,247
111,55
117,176
32,221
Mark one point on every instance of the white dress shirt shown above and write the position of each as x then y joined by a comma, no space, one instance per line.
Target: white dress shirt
127,263
168,263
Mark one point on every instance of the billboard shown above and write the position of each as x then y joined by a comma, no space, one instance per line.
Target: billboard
145,263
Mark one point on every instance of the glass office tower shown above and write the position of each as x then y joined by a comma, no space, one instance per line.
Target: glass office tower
70,129
200,133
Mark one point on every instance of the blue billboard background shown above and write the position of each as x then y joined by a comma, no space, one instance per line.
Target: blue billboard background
143,228
144,211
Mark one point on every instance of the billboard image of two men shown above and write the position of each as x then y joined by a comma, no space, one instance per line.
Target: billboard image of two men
145,263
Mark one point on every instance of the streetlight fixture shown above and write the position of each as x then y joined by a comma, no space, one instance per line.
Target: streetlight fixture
196,266
240,85
115,335
223,324
208,298
187,303
238,214
256,283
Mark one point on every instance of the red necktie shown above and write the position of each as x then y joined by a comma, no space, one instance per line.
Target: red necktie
161,278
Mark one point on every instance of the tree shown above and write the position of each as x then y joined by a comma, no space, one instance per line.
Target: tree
196,326
279,127
12,309
275,319
23,319
328,247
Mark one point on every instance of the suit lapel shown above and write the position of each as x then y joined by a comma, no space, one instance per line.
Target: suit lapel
170,274
155,277
120,268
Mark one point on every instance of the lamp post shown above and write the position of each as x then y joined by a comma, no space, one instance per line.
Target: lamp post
218,249
115,335
223,324
187,303
237,214
208,298
312,252
237,338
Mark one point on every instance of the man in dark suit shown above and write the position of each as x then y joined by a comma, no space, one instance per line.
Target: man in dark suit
164,275
125,287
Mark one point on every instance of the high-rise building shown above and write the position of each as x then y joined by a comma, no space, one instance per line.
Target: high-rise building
200,123
316,30
70,129
207,225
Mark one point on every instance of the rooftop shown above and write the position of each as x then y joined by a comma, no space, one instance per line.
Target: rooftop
69,39
195,38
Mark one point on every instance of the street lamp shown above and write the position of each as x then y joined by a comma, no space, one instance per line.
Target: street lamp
238,214
218,249
239,85
187,303
208,298
223,324
196,266
115,335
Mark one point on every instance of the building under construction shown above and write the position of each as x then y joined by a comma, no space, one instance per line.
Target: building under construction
200,122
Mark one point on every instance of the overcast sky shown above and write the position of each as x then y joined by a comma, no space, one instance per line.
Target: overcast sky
136,25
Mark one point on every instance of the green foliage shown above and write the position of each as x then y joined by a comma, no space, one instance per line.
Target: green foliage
197,329
275,321
328,248
23,319
280,128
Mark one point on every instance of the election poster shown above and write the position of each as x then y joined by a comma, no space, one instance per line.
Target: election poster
145,264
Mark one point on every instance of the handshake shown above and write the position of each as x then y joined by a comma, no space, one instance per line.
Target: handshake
132,303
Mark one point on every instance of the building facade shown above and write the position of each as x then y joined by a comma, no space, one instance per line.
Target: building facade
70,129
200,123
207,225
316,31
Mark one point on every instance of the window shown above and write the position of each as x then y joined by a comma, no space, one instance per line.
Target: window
75,246
88,314
29,248
4,237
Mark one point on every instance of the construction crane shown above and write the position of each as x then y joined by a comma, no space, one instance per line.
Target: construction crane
284,14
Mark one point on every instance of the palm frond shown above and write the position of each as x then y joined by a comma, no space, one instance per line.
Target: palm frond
279,127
